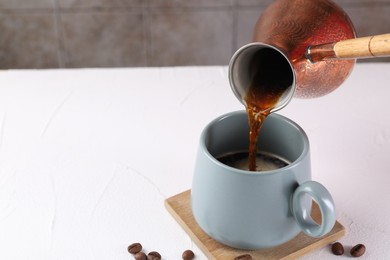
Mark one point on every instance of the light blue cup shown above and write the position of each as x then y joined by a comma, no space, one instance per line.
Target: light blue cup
252,210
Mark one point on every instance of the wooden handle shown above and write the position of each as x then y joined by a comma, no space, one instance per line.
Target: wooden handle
365,47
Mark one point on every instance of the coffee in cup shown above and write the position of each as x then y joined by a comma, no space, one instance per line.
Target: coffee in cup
250,209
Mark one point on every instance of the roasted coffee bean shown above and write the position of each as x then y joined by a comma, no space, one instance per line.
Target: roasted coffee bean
154,255
188,255
337,248
358,250
134,248
243,257
140,256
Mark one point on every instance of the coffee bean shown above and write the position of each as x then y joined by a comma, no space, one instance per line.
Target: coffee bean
140,256
134,248
243,257
358,250
154,256
188,255
337,248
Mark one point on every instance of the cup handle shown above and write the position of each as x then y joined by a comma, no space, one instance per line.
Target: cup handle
302,214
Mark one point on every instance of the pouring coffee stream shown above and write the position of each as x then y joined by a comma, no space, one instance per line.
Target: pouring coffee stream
301,48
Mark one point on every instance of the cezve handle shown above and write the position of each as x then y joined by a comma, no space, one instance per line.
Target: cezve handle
364,47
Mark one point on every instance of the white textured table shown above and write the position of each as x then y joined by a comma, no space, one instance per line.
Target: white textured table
88,156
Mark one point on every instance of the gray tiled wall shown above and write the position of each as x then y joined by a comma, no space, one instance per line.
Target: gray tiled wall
129,33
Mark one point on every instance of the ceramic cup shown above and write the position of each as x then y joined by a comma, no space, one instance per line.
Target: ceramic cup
252,210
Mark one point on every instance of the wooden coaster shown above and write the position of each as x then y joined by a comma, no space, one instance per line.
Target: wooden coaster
180,208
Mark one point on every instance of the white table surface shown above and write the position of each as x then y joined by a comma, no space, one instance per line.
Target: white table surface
88,156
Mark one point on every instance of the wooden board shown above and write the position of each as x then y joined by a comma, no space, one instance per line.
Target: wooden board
180,208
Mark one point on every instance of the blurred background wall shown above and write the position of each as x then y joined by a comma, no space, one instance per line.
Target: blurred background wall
134,33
